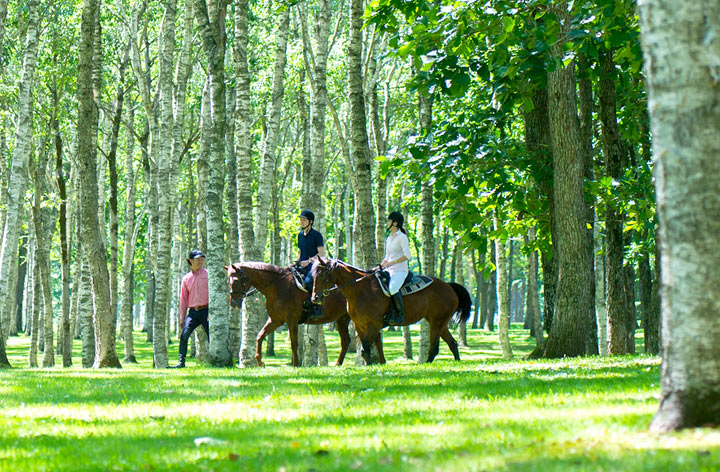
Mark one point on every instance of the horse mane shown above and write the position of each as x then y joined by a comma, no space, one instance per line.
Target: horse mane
334,263
265,267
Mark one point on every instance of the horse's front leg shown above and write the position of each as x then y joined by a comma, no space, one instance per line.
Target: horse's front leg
293,329
269,327
366,350
342,328
379,346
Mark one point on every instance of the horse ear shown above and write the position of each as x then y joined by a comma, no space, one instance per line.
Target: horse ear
226,268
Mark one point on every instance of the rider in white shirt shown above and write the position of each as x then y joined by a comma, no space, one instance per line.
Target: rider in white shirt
395,262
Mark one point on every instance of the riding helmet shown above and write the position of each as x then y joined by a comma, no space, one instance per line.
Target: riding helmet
308,214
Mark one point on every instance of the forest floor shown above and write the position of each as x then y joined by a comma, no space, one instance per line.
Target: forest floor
481,414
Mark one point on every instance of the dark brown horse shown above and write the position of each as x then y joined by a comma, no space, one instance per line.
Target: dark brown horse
284,303
367,303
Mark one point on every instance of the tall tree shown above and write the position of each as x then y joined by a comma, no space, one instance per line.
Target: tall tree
681,68
93,245
570,322
43,235
166,206
65,336
129,240
359,148
253,317
19,166
501,265
210,17
613,150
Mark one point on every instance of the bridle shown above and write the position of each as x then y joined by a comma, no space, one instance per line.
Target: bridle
246,283
332,265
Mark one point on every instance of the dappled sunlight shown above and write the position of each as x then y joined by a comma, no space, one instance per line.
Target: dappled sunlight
482,413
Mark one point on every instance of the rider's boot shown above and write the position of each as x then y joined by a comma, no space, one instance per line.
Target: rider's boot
180,364
314,311
397,315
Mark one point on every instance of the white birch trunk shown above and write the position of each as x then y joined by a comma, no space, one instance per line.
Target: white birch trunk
533,301
681,42
33,308
407,343
94,248
600,295
212,32
428,240
502,297
359,148
164,168
87,329
129,240
19,166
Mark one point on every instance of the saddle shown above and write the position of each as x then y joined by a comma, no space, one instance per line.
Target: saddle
299,278
413,283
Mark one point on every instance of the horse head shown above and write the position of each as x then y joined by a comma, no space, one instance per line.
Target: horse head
239,284
322,278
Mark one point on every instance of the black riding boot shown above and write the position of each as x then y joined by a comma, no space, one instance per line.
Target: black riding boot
180,364
397,316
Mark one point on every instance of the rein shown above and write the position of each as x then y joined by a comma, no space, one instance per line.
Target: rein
327,291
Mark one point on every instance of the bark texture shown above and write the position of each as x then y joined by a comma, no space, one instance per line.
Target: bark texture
681,42
93,245
17,178
571,322
210,17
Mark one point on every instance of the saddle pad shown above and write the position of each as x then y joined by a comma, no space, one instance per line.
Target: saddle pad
413,283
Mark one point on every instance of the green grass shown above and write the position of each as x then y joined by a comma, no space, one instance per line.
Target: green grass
481,414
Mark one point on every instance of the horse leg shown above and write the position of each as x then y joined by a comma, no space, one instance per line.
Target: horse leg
293,328
366,350
342,327
434,342
452,344
379,346
269,327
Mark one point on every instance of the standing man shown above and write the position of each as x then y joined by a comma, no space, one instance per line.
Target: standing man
310,243
193,295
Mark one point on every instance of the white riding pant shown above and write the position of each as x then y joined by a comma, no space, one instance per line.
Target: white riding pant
397,277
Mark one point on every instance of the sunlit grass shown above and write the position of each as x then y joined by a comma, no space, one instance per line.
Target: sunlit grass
480,414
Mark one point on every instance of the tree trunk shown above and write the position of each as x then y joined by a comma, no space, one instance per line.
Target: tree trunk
462,327
571,322
130,236
211,20
252,309
645,276
165,135
65,336
94,248
613,150
533,304
20,285
364,224
19,164
600,297
87,329
43,235
678,44
33,305
502,296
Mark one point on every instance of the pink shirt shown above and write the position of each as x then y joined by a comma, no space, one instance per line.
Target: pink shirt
193,290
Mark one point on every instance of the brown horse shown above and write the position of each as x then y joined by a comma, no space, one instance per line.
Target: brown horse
284,303
367,303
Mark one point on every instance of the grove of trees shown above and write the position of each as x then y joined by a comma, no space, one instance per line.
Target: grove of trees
514,136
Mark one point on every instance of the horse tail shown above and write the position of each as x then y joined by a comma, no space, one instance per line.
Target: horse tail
464,305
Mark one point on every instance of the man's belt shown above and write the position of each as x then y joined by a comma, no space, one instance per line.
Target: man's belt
198,308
